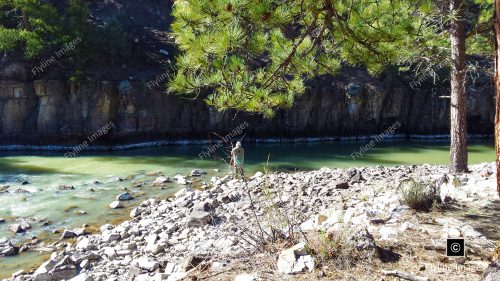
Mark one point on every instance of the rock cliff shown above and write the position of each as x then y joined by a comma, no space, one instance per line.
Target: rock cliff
349,105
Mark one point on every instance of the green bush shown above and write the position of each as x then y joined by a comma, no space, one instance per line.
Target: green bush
418,195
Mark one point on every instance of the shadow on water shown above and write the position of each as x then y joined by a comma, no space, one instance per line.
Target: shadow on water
17,166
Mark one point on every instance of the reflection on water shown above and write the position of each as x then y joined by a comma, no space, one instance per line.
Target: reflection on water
98,177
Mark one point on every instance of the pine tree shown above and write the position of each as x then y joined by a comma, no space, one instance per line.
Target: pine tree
255,56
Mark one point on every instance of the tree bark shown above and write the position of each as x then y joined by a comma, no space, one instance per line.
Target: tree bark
496,21
458,111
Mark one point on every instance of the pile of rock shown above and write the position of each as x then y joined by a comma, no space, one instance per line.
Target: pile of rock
168,239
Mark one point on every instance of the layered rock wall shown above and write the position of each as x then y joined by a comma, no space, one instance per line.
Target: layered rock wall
62,112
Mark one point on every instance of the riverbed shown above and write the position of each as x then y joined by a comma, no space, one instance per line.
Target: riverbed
35,179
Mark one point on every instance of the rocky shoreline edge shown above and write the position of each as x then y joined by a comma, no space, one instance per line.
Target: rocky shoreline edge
271,226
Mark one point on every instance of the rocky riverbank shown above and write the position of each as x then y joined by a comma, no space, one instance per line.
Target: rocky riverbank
277,226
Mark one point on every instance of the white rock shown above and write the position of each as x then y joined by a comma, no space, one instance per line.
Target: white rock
107,237
106,227
135,212
257,175
182,181
116,205
145,263
288,260
161,180
388,233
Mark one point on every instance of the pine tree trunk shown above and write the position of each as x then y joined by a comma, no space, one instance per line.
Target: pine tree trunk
458,111
497,90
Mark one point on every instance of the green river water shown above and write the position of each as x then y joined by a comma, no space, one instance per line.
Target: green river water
110,173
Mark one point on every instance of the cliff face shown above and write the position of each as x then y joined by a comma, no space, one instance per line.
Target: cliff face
352,104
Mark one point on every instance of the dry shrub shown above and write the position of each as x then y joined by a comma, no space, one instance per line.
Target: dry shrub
418,195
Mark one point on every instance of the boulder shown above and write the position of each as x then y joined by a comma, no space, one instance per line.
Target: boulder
182,181
80,231
42,276
83,244
197,173
199,218
135,212
42,273
64,272
364,243
7,248
116,205
107,237
68,234
161,180
124,197
16,228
